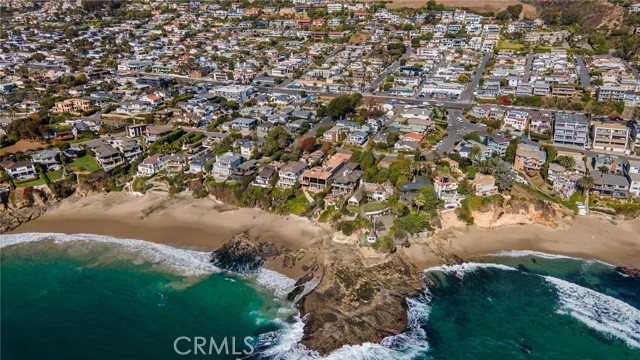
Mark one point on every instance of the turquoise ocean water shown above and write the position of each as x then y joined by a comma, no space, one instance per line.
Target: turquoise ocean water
96,297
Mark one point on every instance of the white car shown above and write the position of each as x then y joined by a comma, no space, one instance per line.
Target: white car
459,119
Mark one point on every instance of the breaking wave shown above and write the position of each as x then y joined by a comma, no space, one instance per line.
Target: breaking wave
606,314
182,261
467,268
542,255
284,344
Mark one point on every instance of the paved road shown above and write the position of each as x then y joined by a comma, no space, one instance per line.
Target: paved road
396,65
288,81
456,130
527,68
583,73
467,94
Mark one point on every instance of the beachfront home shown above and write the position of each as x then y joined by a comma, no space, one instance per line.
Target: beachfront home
20,170
263,179
484,185
290,173
151,165
225,163
529,158
610,185
318,178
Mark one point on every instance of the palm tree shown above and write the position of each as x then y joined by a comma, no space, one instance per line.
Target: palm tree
415,168
474,153
490,131
420,201
483,167
585,183
566,161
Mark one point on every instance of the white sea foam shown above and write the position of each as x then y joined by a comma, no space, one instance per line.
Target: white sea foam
284,344
277,283
598,311
542,255
466,268
183,261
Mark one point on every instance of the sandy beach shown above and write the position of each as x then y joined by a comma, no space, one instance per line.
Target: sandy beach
199,224
584,237
205,225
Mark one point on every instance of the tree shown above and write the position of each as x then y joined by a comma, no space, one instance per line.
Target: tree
396,49
585,183
474,153
276,139
307,144
392,137
567,161
510,152
463,78
502,173
431,203
343,104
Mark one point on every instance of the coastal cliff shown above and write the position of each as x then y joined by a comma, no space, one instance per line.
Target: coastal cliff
515,213
17,209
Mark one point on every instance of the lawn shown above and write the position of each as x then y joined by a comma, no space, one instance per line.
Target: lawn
84,164
298,205
33,182
509,45
374,206
54,175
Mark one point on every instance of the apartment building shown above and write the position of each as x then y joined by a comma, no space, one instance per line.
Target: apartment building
610,136
611,93
72,106
570,129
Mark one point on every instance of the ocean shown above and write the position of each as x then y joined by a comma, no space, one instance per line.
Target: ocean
97,297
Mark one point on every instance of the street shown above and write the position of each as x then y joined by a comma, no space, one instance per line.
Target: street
468,92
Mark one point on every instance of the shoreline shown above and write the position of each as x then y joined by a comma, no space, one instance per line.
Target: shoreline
204,225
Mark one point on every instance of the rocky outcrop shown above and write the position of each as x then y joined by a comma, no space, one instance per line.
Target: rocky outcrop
17,209
344,300
354,303
243,254
628,271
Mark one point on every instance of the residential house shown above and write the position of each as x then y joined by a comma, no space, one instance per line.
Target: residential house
570,129
48,158
152,133
290,173
20,170
484,185
225,163
105,154
357,138
263,179
446,188
497,144
529,158
610,185
346,180
151,165
409,191
516,120
318,178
